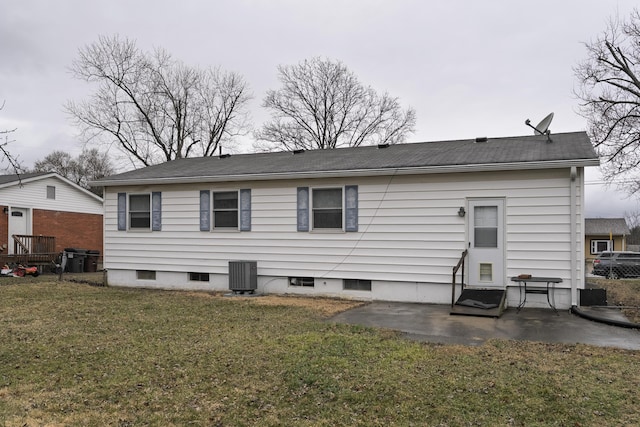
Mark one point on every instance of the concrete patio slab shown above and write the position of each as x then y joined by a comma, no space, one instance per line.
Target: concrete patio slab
433,323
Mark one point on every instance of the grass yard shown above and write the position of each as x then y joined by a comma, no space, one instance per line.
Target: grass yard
74,354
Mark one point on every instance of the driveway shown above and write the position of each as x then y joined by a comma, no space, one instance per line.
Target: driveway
433,323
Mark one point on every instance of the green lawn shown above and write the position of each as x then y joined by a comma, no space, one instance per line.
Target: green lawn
74,354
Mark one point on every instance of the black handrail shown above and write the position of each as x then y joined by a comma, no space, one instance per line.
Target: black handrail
453,279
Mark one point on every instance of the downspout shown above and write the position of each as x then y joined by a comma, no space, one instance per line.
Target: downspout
573,213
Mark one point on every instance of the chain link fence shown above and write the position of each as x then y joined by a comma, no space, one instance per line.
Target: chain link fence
617,265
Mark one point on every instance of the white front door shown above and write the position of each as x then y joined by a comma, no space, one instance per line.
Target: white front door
486,243
18,224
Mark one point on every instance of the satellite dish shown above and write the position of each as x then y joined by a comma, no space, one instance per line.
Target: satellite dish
543,127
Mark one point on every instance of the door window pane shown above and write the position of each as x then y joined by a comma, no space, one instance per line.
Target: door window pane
485,230
486,272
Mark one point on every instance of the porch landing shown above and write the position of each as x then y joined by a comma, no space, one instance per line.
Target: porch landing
480,302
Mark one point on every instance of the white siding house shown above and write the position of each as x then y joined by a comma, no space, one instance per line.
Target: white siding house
47,190
386,223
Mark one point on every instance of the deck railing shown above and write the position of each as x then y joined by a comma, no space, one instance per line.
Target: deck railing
29,250
459,266
24,244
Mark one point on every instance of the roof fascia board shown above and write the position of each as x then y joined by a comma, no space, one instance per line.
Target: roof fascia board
555,164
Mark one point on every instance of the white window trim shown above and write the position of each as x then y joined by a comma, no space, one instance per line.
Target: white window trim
213,215
312,227
139,229
594,244
53,191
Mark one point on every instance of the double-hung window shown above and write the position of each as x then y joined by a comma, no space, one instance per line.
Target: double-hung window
140,211
327,208
225,209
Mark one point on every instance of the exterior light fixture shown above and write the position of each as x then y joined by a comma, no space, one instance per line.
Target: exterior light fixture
461,212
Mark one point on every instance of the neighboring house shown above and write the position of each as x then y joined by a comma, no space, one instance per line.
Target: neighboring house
604,234
385,223
47,204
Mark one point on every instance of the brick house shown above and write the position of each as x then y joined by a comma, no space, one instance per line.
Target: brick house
47,204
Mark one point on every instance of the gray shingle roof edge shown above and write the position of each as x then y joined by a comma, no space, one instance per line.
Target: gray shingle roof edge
508,153
604,226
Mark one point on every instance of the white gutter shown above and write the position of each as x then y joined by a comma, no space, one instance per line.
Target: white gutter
421,170
573,240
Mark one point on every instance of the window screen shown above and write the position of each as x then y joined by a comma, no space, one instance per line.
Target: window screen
327,208
357,284
139,211
225,209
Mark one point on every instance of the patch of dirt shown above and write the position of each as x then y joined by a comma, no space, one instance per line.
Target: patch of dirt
326,306
623,293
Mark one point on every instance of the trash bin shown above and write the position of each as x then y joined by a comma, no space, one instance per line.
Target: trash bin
75,260
91,261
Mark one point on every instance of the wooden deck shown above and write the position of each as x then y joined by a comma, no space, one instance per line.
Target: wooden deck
31,250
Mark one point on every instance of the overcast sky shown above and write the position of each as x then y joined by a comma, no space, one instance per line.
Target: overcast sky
469,68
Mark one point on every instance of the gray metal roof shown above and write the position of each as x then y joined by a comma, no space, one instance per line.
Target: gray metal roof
566,149
604,226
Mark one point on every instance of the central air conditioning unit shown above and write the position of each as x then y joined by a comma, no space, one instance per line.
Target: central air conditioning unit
243,276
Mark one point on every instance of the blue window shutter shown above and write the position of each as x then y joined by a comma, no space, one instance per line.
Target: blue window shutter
122,211
245,209
351,207
156,211
205,210
303,208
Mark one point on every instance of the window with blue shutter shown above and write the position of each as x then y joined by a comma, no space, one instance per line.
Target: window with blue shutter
303,208
328,208
205,210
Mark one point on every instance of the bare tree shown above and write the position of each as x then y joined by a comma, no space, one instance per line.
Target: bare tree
5,155
60,162
321,104
90,165
633,221
609,90
155,108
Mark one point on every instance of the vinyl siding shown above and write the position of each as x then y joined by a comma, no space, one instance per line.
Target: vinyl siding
33,194
409,229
